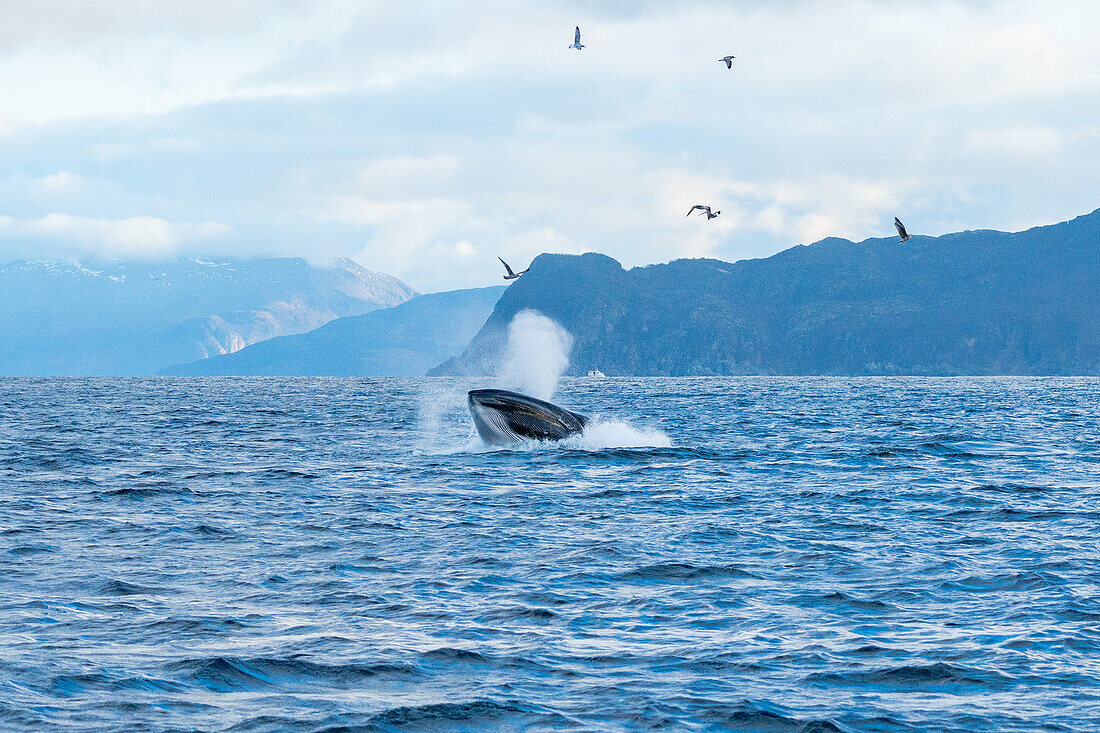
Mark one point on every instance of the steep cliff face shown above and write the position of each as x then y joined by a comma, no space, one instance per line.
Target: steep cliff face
137,317
226,333
977,302
588,294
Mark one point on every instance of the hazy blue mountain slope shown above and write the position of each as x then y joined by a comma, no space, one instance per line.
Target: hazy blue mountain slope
976,302
117,318
403,341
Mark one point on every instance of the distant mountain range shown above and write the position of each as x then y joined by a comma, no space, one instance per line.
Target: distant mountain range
976,302
403,341
126,318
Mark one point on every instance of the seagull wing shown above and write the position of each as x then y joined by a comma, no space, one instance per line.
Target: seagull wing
693,208
577,36
509,269
729,62
901,228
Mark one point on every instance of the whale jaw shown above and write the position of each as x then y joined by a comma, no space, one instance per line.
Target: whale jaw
502,417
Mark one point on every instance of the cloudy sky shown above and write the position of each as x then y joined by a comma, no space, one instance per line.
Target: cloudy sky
424,138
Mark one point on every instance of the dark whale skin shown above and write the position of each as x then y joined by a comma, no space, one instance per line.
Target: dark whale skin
502,417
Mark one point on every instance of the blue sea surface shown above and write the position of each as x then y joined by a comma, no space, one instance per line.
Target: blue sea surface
771,554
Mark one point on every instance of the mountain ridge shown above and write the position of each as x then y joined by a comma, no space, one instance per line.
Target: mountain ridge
974,302
404,340
99,317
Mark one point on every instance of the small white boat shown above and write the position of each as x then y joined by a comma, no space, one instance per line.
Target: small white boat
596,373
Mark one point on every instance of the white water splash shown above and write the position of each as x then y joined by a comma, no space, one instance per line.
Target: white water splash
536,356
443,422
601,434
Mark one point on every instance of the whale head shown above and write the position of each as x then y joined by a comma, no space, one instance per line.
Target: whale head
502,417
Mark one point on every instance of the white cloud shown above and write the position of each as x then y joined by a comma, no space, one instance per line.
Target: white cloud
360,211
405,173
1026,140
60,181
138,236
92,22
425,139
106,152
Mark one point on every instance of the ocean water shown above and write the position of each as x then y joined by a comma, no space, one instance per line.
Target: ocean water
341,554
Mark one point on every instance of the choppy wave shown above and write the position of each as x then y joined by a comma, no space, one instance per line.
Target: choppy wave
711,554
231,674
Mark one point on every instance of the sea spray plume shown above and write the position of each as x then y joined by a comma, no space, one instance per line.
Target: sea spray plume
441,417
536,356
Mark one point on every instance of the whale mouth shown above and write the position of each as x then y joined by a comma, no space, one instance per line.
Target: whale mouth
502,417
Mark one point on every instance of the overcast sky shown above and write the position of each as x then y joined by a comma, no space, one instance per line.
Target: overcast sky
423,139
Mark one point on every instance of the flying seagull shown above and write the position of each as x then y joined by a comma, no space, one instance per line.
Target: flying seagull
728,60
705,209
577,39
901,229
510,275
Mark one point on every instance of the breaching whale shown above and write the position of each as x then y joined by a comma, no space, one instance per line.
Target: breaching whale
504,417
